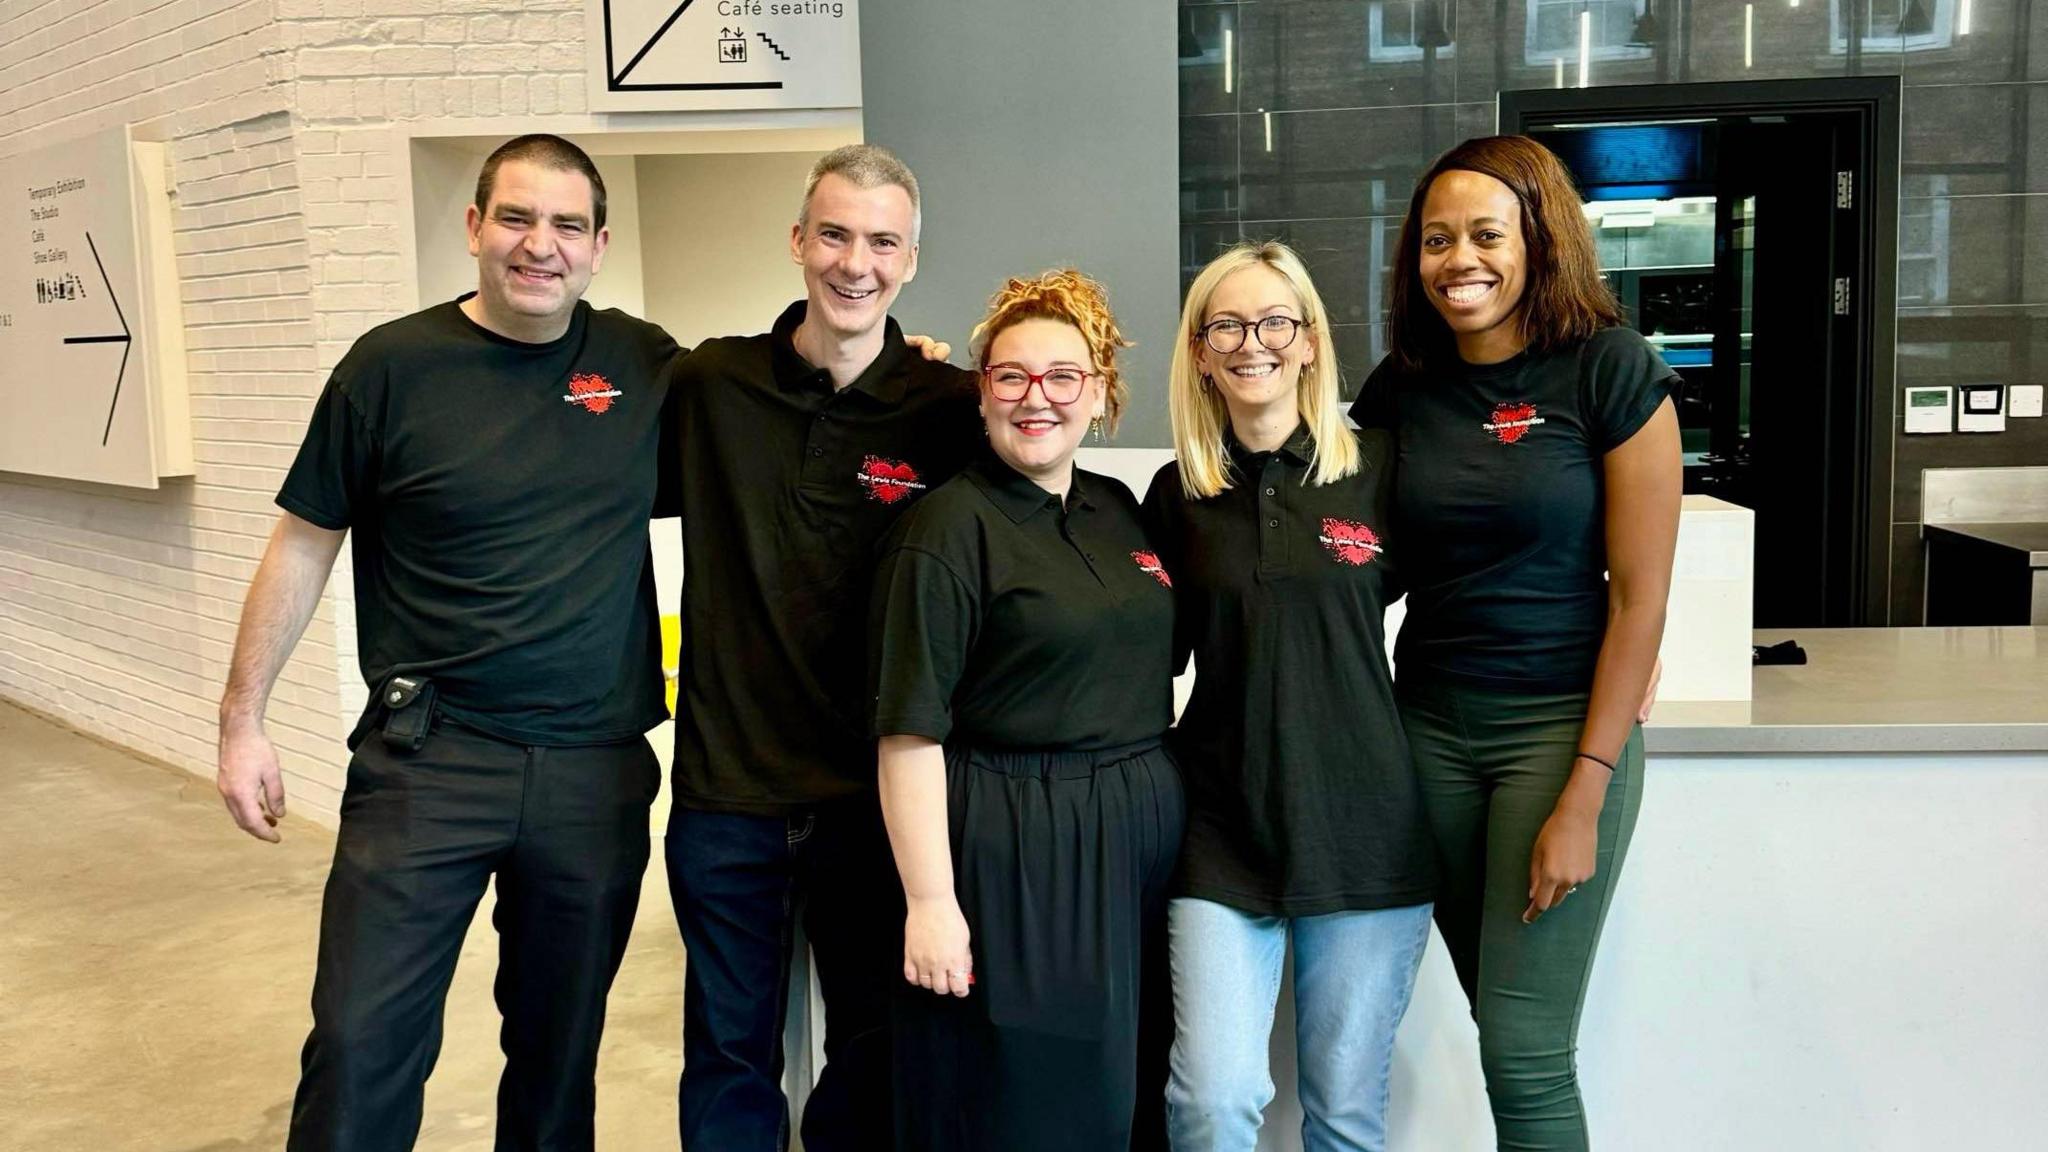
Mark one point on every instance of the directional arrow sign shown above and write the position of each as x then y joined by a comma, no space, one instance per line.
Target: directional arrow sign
74,265
125,339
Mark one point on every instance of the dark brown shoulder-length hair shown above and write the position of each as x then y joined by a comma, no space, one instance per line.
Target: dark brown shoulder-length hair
1564,300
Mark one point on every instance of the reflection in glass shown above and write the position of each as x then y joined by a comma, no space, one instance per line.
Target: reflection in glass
1890,25
1405,29
1552,31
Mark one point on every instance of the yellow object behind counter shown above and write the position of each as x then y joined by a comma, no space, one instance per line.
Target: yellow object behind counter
671,655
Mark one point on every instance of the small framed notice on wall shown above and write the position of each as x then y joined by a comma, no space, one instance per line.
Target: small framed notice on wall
1980,408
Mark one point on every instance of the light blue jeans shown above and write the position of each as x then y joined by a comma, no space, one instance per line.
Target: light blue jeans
1353,974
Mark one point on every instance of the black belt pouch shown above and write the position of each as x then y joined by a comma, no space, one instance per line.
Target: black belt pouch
405,705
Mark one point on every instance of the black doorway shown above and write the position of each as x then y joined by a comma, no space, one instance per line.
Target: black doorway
1771,293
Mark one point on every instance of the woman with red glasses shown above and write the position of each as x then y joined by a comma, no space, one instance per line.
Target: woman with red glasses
1022,635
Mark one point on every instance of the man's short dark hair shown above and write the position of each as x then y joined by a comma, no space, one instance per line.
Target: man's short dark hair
550,152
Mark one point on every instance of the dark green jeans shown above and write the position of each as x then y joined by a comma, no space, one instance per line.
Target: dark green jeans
1491,765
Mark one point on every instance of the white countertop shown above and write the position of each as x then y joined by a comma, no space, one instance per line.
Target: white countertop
1878,690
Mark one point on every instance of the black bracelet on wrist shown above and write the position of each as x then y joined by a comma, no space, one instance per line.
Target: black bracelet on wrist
1607,764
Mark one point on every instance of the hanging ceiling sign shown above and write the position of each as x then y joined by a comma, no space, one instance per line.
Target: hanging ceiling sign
690,55
91,342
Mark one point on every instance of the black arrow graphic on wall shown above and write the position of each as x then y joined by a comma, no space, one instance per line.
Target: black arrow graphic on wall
125,339
616,81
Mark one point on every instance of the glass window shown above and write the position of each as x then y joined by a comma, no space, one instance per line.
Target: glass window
1552,31
1401,29
1893,25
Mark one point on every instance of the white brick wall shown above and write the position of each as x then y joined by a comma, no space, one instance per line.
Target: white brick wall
118,608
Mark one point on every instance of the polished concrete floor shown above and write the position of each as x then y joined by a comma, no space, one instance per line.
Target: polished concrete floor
155,964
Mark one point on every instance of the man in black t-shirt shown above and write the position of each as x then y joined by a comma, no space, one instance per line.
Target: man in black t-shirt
798,449
495,459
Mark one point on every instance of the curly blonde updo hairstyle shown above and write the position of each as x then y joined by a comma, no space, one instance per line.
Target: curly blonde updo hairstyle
1065,295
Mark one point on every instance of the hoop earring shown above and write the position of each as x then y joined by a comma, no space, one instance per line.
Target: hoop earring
1206,382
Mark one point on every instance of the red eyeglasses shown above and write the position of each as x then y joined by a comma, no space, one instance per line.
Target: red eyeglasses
1061,385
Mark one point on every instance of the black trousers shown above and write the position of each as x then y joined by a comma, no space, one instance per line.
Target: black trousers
740,883
564,831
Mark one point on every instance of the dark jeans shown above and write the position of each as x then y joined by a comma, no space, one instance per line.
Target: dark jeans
1491,766
564,830
739,883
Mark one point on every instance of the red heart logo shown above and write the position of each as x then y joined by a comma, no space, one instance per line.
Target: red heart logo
592,391
1148,563
1350,541
888,480
1512,421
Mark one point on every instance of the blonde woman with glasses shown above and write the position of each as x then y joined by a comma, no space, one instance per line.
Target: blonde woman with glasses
1304,821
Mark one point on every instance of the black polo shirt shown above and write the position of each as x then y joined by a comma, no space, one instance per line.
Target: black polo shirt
497,496
787,487
1003,619
1301,798
1501,507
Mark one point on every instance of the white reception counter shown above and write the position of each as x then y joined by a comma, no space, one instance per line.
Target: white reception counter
1830,933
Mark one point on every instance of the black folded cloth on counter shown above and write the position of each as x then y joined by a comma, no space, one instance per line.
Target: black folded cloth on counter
1783,652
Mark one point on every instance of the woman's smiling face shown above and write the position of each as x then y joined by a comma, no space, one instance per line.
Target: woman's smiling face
1474,263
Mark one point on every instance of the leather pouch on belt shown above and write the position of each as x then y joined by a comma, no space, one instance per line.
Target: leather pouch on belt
408,711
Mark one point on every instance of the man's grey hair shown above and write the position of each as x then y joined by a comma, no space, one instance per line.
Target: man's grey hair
865,166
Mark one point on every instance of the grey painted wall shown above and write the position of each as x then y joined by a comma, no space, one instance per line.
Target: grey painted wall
1043,134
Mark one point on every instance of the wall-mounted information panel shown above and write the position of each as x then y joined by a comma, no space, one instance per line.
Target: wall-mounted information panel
692,55
92,358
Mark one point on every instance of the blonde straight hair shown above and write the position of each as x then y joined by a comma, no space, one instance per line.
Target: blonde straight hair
1199,416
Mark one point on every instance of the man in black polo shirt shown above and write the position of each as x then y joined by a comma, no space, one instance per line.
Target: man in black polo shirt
799,448
495,458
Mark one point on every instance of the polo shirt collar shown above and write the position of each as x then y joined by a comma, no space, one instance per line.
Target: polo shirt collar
1300,446
1017,495
882,379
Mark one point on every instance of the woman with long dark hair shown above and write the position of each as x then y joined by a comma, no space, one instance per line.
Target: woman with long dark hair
1537,505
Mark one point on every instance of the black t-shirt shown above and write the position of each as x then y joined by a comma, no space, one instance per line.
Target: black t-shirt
1501,506
1003,619
787,487
498,495
1301,798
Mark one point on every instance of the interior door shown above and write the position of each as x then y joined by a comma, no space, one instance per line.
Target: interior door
1789,282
